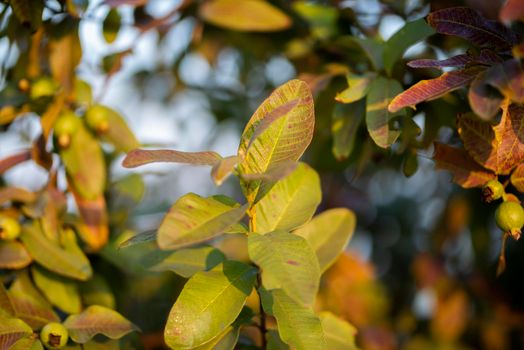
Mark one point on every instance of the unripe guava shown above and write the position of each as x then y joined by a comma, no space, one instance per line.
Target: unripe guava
65,126
9,228
97,118
54,335
42,87
509,217
492,190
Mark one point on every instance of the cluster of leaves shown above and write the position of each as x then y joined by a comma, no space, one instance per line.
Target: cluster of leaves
288,249
46,272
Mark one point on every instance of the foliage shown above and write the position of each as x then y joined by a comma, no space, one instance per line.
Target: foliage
267,266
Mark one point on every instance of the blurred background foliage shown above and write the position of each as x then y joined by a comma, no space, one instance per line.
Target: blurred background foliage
420,270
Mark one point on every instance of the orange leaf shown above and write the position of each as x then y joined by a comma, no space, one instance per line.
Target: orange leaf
94,226
466,172
498,148
517,178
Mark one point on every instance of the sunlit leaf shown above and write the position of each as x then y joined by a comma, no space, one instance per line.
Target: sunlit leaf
498,147
470,25
16,194
246,15
223,168
288,262
12,330
194,219
97,320
290,110
426,90
187,262
328,234
378,117
398,43
28,304
65,54
339,334
224,341
13,255
140,157
466,172
358,87
512,10
29,343
346,120
68,263
208,304
298,325
93,228
517,178
289,203
61,292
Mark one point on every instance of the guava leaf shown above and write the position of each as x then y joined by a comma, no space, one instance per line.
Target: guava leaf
431,89
466,172
498,148
290,202
288,262
95,320
512,10
29,13
298,325
13,255
278,132
194,219
339,334
398,43
12,330
345,121
187,262
224,341
378,117
64,56
484,100
246,15
470,25
61,292
358,87
94,226
6,306
30,343
508,78
328,234
223,169
16,194
96,291
118,133
140,157
12,160
517,178
208,304
485,57
111,25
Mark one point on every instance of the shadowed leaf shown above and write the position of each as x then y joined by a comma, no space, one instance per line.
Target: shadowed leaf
287,262
140,157
187,262
13,255
6,306
346,120
12,330
470,25
483,99
508,78
61,292
97,320
328,234
194,219
246,15
466,172
517,178
431,89
339,334
208,304
486,57
498,148
93,228
378,118
409,34
143,237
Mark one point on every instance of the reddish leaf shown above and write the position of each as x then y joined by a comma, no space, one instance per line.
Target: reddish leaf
140,157
16,194
13,255
508,77
466,172
498,148
517,178
512,10
118,3
431,89
470,25
484,100
486,57
11,161
94,226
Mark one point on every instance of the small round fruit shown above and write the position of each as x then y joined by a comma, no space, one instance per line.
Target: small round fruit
54,335
492,190
97,118
509,217
9,228
65,126
42,87
24,85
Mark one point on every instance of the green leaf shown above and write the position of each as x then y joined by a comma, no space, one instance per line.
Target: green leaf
322,19
6,306
69,263
224,341
288,262
28,12
208,304
381,92
140,157
274,342
346,120
61,292
358,87
246,15
328,234
298,325
290,203
13,255
95,320
339,334
85,164
29,343
28,304
12,330
278,132
142,237
187,262
411,33
111,25
194,219
96,291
